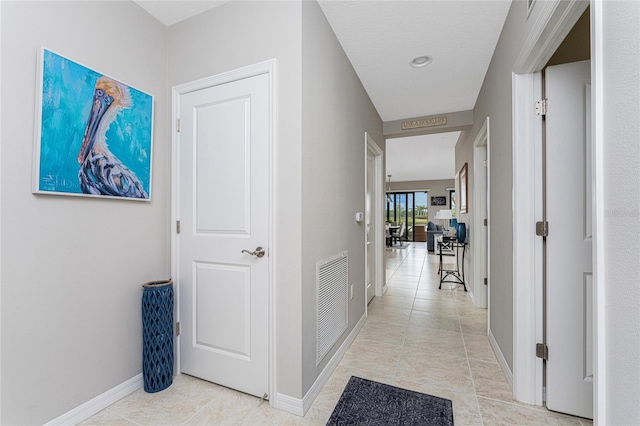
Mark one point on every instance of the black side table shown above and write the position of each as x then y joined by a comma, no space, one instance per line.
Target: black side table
456,275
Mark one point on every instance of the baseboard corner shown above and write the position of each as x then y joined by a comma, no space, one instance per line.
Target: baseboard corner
322,379
289,404
501,359
99,403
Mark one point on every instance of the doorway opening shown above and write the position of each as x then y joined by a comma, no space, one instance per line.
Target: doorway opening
551,30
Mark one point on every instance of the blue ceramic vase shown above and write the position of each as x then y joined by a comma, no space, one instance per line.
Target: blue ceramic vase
462,232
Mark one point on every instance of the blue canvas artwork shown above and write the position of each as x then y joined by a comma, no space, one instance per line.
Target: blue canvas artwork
94,136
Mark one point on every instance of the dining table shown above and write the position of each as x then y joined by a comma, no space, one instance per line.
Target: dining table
393,229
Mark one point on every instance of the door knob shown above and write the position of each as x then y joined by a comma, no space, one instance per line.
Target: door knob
259,252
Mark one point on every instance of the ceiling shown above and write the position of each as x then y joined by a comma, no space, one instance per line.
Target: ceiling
381,38
170,12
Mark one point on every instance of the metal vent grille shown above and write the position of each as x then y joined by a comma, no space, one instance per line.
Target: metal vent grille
333,300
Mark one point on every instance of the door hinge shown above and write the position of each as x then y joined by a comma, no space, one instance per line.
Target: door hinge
177,226
178,125
542,229
485,281
485,222
542,351
177,329
542,107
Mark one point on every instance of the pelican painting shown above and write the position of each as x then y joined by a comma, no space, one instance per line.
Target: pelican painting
101,173
94,135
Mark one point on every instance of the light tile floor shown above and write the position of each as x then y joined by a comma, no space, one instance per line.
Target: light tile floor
416,337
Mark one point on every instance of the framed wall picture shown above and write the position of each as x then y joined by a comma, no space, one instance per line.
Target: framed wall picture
94,134
463,184
438,201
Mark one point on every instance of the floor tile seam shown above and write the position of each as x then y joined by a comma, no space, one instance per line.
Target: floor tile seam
377,341
396,366
518,404
426,353
321,410
401,334
435,297
110,410
431,310
473,382
448,388
396,323
421,328
398,283
384,321
392,372
441,387
204,406
201,410
482,360
467,310
431,328
430,353
445,301
442,317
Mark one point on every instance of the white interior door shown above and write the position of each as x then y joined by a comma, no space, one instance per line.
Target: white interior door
370,219
480,248
569,244
223,191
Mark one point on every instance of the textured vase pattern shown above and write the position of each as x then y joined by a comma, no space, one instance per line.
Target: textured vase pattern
157,336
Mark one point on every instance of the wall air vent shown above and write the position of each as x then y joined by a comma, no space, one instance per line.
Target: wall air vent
332,296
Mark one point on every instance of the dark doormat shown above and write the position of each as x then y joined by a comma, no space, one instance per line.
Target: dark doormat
365,402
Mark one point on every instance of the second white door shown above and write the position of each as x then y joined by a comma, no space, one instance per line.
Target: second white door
569,244
223,208
371,226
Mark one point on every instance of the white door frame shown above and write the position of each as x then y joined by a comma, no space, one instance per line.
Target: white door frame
481,192
378,226
555,20
268,68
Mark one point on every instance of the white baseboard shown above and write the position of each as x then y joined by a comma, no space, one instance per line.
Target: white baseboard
299,406
501,360
472,295
99,403
289,404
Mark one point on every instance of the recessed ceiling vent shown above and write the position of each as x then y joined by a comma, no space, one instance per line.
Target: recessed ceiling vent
421,61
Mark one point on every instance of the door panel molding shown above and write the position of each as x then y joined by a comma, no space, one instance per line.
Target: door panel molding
268,68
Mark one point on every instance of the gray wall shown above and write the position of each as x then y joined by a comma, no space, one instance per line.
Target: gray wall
621,92
494,100
228,37
72,267
88,322
336,114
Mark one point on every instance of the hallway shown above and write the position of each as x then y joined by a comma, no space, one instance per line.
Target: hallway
416,337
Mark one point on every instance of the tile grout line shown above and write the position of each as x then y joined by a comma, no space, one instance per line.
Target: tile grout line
121,416
457,316
473,382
